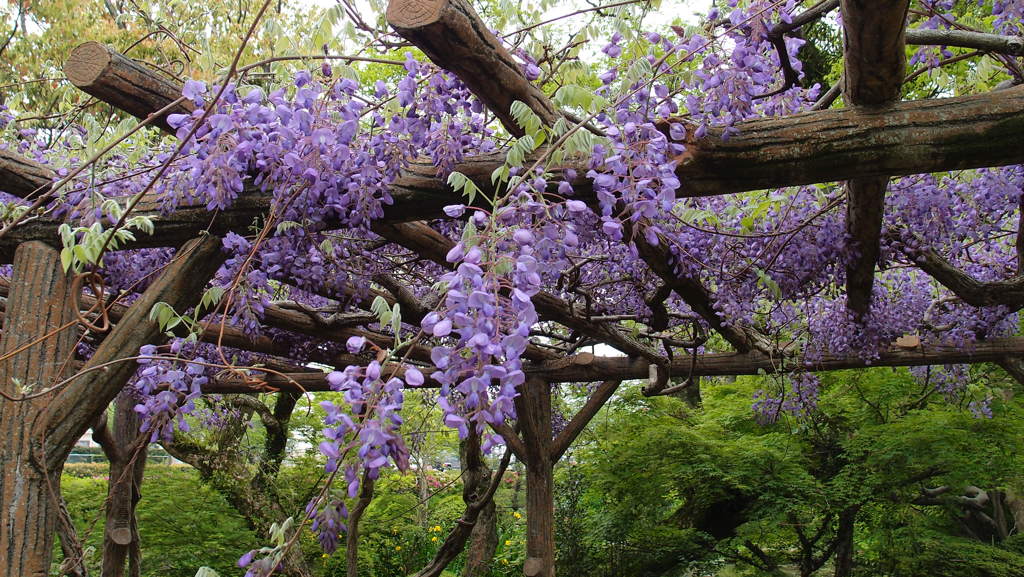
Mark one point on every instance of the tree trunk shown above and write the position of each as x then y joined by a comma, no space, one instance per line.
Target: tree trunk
38,305
844,545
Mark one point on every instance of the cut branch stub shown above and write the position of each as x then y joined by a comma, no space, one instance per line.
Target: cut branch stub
450,33
100,71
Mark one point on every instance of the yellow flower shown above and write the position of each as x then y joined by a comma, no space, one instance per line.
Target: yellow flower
507,543
434,539
324,555
504,561
517,515
437,528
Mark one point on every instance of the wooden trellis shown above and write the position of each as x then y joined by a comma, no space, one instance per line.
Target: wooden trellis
868,142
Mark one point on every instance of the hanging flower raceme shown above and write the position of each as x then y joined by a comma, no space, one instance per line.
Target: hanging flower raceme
169,388
363,437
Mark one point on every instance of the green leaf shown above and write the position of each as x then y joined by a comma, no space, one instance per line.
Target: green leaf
66,258
526,118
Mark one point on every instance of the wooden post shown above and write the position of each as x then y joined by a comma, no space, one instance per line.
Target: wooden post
533,408
127,456
37,309
476,480
875,58
37,435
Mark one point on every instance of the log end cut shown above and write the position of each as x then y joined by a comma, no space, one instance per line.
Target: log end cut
87,63
411,14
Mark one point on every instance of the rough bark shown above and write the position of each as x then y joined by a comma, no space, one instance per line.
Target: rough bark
823,146
875,58
533,409
1012,45
126,452
102,72
874,36
40,433
585,367
22,176
29,484
476,478
76,406
451,34
1009,292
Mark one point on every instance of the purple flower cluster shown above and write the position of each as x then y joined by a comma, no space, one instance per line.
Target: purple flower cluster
169,388
799,401
487,323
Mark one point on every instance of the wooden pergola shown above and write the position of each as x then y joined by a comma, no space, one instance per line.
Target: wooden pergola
873,139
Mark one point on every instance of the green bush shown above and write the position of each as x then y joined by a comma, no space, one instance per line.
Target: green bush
184,524
951,557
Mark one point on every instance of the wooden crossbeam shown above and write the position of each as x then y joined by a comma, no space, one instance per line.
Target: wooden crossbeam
451,34
588,368
909,138
823,146
585,367
102,72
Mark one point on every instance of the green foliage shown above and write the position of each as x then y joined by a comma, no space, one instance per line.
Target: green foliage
944,556
662,487
184,524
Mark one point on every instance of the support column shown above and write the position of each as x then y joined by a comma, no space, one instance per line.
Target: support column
533,407
39,309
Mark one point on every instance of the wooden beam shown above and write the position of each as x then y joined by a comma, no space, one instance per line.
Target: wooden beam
822,146
590,368
102,72
451,34
21,176
582,418
874,37
1011,45
875,57
585,367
